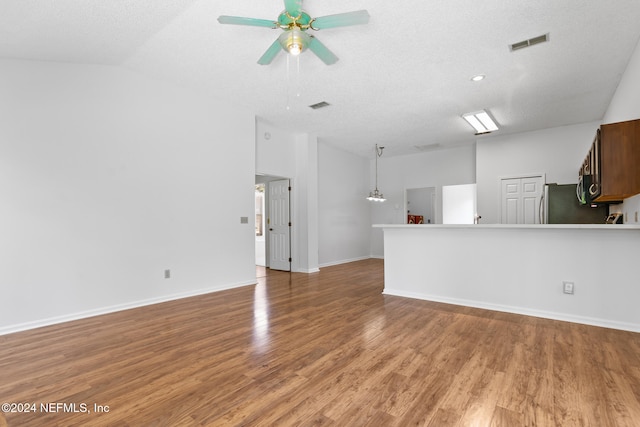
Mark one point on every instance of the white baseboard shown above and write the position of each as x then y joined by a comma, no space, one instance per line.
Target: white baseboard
343,261
114,308
605,323
306,270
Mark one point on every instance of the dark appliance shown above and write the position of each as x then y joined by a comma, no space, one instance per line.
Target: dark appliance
588,188
559,205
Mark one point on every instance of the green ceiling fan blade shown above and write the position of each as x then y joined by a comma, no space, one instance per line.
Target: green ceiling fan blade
357,17
293,7
322,51
238,20
270,54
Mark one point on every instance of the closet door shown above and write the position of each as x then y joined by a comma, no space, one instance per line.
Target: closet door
520,199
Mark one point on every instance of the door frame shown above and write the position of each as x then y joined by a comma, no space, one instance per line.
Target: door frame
433,201
266,179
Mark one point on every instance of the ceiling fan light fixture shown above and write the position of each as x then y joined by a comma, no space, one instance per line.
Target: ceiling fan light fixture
481,122
294,22
294,41
295,49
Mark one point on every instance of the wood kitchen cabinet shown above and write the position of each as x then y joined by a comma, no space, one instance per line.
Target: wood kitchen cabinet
616,162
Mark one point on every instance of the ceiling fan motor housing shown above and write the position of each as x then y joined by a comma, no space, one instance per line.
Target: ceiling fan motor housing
302,21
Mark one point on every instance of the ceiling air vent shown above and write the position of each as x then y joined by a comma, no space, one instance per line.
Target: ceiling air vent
530,42
319,105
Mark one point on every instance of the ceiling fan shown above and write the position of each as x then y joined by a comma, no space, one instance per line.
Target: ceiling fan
295,22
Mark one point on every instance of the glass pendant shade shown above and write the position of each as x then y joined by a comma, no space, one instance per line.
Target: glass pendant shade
376,196
294,41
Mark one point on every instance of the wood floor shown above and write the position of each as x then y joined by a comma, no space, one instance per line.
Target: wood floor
319,349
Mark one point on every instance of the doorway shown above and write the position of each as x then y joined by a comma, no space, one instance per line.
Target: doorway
261,249
421,205
273,225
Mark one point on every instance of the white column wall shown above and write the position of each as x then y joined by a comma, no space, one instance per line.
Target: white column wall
305,246
295,156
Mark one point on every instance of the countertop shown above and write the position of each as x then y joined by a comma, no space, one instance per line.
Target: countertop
514,226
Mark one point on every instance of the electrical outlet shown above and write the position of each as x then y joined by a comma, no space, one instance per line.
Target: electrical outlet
567,287
167,274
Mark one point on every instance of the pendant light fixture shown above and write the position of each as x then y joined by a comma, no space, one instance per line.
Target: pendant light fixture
376,196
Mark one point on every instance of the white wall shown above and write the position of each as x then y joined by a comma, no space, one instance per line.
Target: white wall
631,210
344,215
557,153
625,104
395,174
275,150
107,180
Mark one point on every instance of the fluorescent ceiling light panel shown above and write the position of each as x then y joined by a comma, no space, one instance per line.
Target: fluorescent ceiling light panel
481,121
486,121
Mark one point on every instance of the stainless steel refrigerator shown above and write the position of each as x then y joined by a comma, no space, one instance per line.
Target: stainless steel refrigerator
560,205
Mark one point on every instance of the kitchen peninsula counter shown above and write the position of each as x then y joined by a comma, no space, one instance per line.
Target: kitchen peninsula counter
520,269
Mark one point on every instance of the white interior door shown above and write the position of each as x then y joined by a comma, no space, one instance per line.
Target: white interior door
279,225
521,199
459,204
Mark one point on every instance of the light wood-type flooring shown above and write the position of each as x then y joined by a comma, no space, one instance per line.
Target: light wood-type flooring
320,349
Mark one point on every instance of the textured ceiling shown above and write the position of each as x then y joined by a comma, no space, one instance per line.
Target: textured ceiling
402,81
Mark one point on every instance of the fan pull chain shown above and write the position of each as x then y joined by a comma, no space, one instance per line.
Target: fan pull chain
288,83
297,84
293,82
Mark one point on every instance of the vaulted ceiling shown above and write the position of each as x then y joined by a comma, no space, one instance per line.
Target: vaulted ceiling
403,80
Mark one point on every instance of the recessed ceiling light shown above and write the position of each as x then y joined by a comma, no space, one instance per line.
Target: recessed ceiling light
478,77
